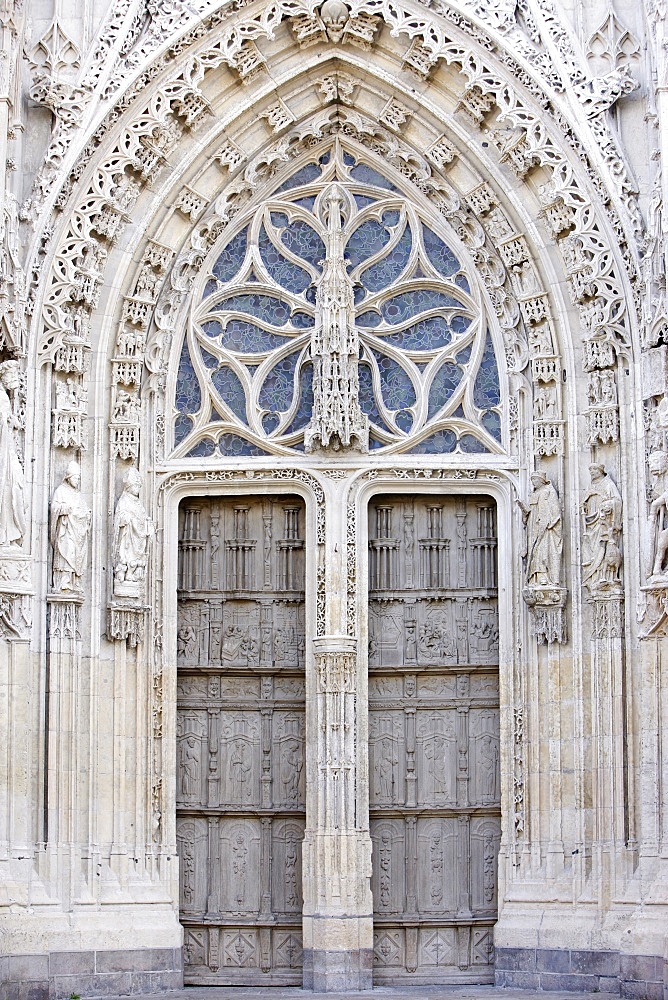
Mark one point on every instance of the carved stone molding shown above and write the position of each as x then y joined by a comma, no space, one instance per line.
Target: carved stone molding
15,616
608,617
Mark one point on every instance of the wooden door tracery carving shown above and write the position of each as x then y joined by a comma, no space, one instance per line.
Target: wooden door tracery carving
433,737
240,739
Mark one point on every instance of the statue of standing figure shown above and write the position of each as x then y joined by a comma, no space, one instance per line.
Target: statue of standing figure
132,530
70,527
658,467
602,511
544,533
12,503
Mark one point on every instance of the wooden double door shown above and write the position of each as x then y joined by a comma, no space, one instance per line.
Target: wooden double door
433,727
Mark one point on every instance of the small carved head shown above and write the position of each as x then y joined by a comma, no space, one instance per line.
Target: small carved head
73,474
539,479
658,463
132,481
597,471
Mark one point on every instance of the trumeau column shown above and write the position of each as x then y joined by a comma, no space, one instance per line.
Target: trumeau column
338,934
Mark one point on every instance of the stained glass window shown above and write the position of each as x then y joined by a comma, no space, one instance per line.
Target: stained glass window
428,373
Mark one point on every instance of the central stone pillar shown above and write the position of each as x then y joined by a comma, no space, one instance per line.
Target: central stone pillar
337,921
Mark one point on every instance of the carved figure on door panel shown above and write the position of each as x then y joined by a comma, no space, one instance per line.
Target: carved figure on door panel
436,640
291,769
385,865
385,762
186,641
436,752
239,867
240,767
291,859
436,868
190,766
489,759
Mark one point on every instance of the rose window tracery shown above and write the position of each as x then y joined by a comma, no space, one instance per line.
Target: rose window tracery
338,260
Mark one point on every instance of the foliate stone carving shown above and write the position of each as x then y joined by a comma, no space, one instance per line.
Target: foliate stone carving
337,420
338,87
441,152
548,618
15,615
394,115
190,203
70,527
602,514
420,59
132,530
278,116
229,156
600,93
12,500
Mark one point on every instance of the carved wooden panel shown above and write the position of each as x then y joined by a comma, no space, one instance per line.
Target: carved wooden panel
240,739
433,738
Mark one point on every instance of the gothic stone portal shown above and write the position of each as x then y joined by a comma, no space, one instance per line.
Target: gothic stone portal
434,737
240,733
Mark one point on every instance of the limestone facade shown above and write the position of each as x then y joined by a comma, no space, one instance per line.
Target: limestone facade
333,494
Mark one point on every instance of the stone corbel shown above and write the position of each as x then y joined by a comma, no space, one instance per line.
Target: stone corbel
65,615
547,607
126,623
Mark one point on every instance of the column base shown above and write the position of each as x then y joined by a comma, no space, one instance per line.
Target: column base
338,954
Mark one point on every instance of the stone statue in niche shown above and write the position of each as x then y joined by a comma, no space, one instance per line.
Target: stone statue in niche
658,467
132,530
12,503
70,526
602,511
544,533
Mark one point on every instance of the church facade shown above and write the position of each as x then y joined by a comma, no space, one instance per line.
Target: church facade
333,495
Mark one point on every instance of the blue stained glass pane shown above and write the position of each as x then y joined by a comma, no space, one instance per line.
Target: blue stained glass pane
408,304
290,276
463,282
302,321
233,444
308,203
303,414
464,355
212,328
208,359
270,422
309,173
368,239
303,241
471,446
385,271
374,442
362,200
367,175
230,390
264,307
182,427
395,384
404,420
369,319
441,443
440,255
367,398
392,217
491,421
278,387
232,257
486,391
446,380
349,159
427,335
460,323
246,338
203,449
325,158
188,394
210,287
